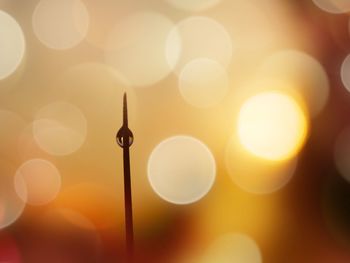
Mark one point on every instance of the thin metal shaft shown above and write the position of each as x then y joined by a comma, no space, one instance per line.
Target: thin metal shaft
128,204
125,139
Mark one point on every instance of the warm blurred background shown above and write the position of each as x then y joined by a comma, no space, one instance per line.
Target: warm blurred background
241,116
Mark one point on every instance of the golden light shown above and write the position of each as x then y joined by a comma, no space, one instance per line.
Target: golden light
181,170
254,174
12,43
189,40
37,182
203,83
233,247
272,125
304,74
137,40
60,24
60,128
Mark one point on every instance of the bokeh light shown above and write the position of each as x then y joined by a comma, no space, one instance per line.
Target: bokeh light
189,40
272,125
203,83
345,73
254,174
137,40
234,248
12,44
193,5
303,73
11,206
60,128
333,6
342,153
60,24
37,182
181,170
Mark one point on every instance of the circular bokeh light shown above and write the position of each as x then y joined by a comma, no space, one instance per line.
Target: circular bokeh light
272,125
60,24
135,42
189,40
254,174
60,128
12,43
333,6
303,73
181,170
345,73
234,248
11,206
37,182
203,83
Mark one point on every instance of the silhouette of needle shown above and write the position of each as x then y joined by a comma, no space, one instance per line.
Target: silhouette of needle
125,139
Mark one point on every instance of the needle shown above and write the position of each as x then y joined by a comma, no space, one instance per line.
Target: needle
125,139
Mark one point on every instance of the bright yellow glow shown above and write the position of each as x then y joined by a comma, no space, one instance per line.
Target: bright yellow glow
254,174
60,128
303,73
230,248
203,83
272,125
60,24
135,42
37,182
12,45
190,39
181,170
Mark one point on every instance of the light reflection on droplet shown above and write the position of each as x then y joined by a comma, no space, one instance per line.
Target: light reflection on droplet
137,40
181,169
37,182
234,248
190,39
272,125
301,71
60,24
60,128
193,5
333,6
203,83
12,43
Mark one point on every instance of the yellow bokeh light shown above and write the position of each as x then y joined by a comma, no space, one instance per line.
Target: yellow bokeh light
60,24
37,182
181,170
233,248
272,125
188,40
12,45
203,83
